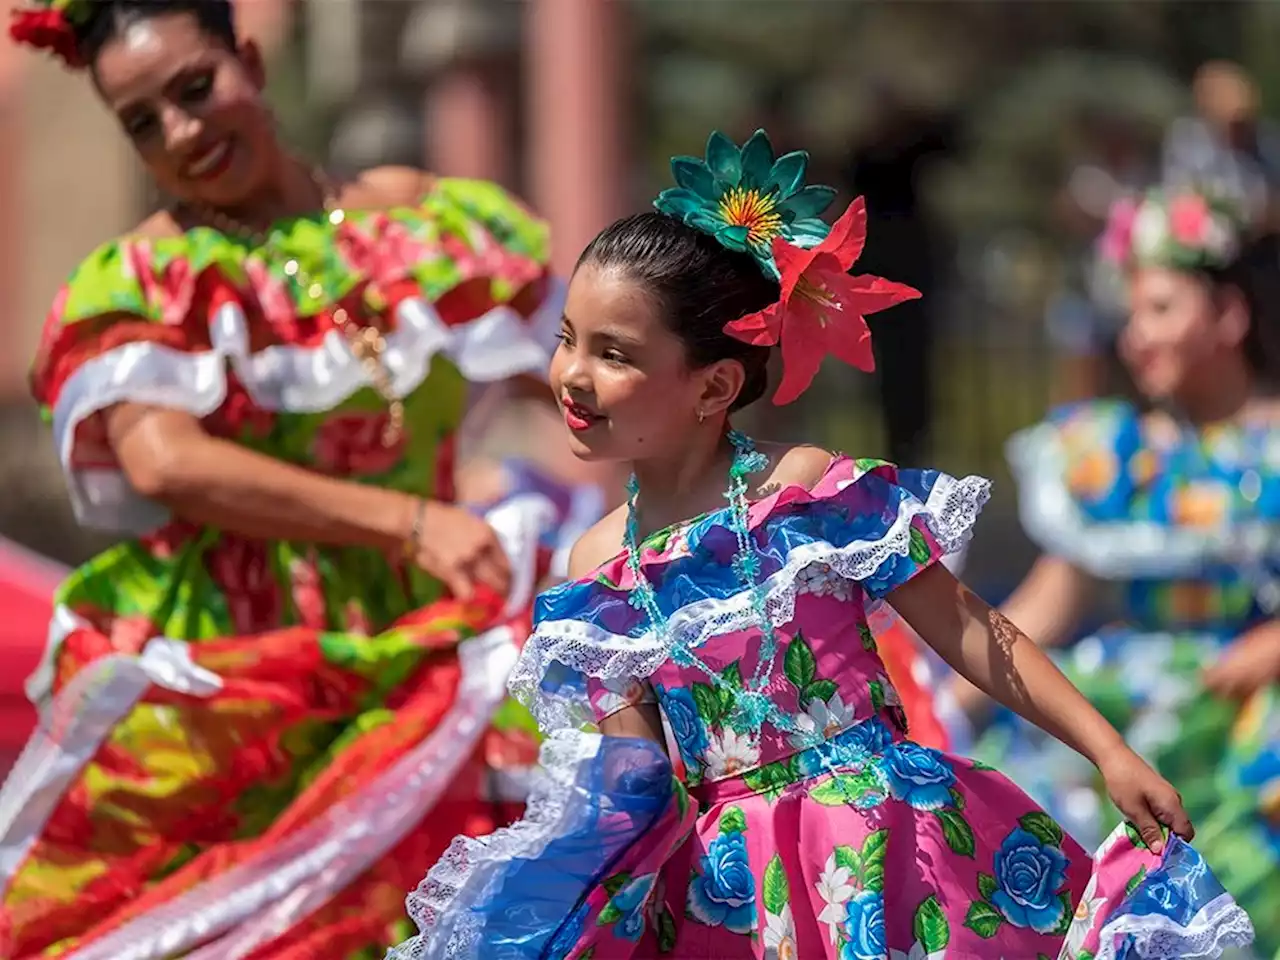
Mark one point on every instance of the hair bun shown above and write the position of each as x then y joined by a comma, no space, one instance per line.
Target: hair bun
46,28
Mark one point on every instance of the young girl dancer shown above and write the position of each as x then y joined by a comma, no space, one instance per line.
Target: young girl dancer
751,791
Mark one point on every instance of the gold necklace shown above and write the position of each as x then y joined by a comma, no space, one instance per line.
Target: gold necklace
368,344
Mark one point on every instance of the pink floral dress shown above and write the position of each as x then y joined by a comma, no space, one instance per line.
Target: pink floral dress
841,839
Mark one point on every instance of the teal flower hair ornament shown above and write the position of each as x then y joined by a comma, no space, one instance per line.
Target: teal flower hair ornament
746,198
753,203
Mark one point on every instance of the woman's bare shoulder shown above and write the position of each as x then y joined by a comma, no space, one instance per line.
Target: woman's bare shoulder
383,188
160,225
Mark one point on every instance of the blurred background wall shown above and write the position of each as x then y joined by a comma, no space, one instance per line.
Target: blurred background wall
986,135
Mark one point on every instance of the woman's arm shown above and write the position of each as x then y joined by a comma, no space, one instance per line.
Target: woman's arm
1251,662
991,653
1050,602
168,457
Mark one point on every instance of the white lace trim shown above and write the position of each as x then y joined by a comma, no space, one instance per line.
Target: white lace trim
258,900
494,346
1220,924
950,512
467,867
1123,550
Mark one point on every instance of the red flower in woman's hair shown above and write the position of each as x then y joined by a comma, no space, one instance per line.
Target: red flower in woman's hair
822,309
47,29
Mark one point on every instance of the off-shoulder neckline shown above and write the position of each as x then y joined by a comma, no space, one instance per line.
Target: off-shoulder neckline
757,511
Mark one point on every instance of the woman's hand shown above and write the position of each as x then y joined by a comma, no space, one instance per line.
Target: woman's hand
1146,799
1248,664
461,550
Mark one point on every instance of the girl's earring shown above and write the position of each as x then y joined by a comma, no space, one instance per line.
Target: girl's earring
701,416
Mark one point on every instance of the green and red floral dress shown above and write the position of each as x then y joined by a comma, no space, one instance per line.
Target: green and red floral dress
249,747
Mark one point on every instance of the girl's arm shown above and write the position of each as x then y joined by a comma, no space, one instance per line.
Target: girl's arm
593,548
642,720
1047,607
984,647
168,457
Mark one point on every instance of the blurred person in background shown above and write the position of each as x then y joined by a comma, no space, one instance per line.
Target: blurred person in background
1226,149
886,168
1086,311
269,709
1177,502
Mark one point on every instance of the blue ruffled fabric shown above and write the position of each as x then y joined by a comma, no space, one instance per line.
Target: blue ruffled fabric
520,907
864,511
1175,900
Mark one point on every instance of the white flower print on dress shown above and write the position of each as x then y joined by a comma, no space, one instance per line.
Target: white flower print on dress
917,952
821,720
780,935
730,754
1083,920
821,581
835,887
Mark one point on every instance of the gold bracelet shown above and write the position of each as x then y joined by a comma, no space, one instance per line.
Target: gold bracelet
414,540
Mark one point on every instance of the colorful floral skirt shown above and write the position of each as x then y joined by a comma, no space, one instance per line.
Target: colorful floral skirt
145,820
899,852
1223,758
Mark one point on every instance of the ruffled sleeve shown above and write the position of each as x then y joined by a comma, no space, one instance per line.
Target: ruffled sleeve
203,322
136,322
866,520
1094,488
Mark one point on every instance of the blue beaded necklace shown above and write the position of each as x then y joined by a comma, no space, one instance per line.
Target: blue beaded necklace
753,708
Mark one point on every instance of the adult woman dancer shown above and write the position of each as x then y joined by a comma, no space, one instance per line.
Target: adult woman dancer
800,821
1177,503
263,714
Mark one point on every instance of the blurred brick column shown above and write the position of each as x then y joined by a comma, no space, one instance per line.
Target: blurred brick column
577,164
577,161
466,125
463,52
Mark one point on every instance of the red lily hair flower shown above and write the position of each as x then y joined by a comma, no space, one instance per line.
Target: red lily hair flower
47,29
822,309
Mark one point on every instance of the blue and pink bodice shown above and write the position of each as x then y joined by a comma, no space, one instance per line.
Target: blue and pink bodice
828,556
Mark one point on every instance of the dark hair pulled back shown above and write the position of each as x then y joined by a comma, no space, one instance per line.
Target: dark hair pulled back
1255,272
109,19
697,284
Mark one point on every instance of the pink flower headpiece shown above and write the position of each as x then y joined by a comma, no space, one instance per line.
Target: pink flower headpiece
1185,230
